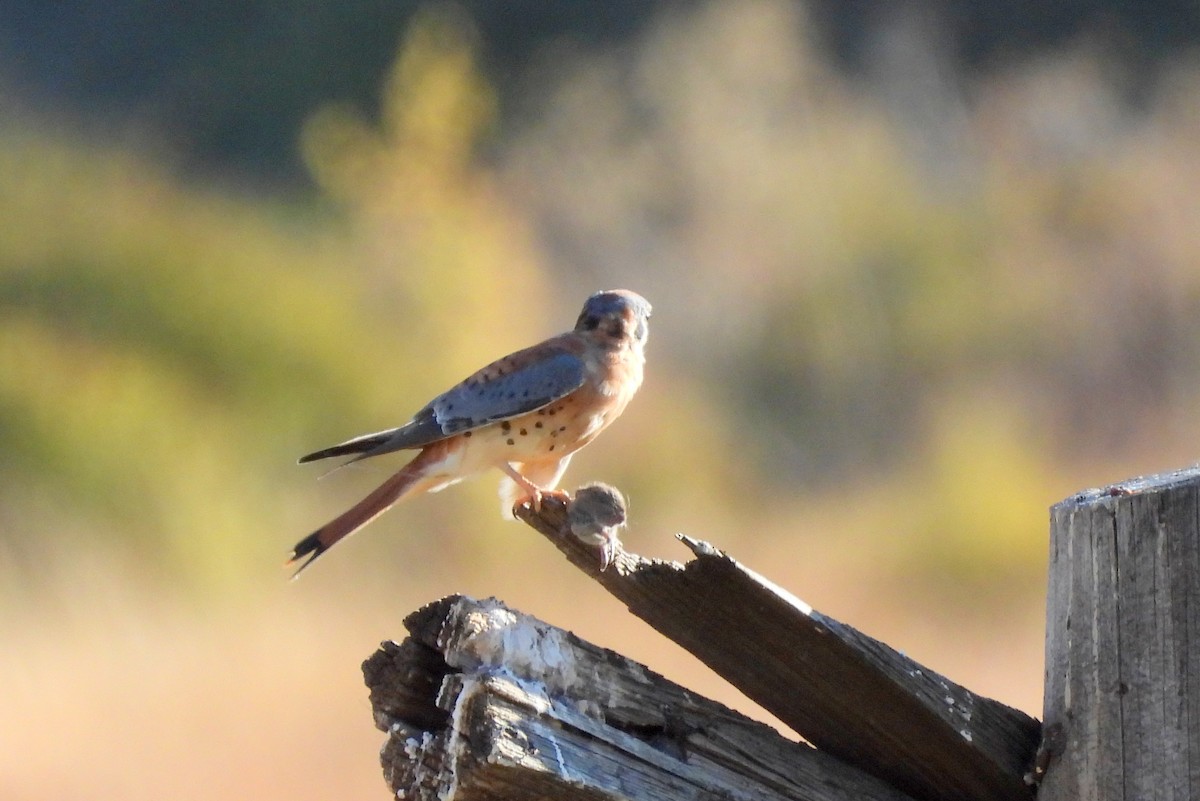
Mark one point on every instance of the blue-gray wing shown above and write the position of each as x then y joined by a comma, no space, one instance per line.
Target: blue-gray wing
515,385
504,389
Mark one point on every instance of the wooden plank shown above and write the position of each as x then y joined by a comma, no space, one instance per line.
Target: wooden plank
850,695
1122,635
482,702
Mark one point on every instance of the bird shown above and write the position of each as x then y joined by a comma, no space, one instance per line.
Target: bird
525,414
596,517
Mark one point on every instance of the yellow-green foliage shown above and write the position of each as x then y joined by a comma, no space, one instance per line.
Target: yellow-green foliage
160,345
890,329
825,296
168,350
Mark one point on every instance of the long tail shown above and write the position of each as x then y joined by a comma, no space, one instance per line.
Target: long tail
411,477
359,445
424,429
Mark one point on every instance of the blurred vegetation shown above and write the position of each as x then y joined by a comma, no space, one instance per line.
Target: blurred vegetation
833,276
166,348
899,310
229,82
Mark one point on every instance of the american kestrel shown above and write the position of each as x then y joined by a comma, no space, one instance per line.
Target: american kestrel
525,414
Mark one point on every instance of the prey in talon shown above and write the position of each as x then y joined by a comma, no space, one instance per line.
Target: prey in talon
596,516
525,415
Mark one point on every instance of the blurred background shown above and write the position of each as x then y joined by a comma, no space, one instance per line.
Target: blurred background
918,273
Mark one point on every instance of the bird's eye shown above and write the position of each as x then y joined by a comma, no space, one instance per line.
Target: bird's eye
591,322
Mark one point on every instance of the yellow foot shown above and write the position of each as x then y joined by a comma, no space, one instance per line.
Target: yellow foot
535,498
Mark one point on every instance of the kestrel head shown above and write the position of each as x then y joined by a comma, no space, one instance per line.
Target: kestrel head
616,315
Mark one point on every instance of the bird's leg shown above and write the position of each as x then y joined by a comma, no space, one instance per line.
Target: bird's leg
533,491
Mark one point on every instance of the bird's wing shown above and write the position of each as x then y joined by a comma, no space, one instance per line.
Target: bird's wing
517,384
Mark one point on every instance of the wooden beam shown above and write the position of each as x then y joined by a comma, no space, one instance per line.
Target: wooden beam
1122,634
848,694
483,703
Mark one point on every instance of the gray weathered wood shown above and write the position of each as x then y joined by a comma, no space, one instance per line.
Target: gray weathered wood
1122,634
848,694
482,702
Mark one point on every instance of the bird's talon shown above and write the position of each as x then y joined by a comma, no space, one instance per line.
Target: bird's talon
535,498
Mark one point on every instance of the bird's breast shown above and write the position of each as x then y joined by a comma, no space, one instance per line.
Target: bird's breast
554,431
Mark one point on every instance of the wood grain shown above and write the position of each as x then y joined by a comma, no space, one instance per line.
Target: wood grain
482,702
845,692
1123,631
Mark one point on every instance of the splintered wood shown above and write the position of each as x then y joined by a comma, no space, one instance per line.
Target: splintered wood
482,702
848,694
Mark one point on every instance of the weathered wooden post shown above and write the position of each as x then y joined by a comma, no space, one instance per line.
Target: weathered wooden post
1122,713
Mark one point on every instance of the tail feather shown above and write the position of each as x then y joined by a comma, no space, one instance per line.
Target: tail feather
359,445
311,547
408,479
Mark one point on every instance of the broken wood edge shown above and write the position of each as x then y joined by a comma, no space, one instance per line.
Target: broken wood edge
491,703
847,693
1108,496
